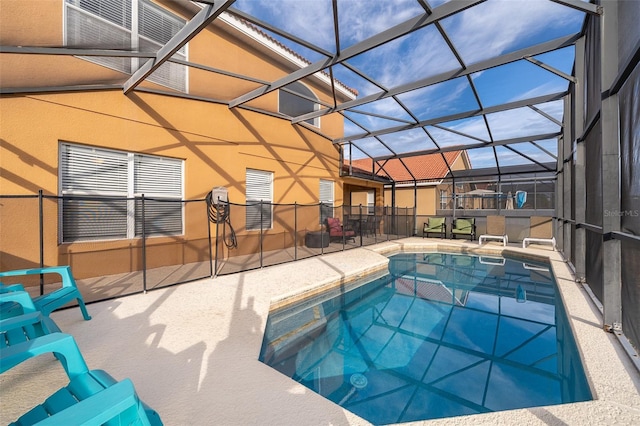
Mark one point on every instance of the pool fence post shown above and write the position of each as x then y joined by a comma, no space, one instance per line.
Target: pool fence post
295,231
261,226
360,224
41,228
144,249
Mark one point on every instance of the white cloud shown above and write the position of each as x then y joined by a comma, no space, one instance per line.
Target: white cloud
496,26
308,19
437,100
554,85
418,55
519,122
361,19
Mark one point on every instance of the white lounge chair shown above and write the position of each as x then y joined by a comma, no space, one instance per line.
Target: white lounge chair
540,232
496,230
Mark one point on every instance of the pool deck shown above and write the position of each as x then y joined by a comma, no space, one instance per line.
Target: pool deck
192,350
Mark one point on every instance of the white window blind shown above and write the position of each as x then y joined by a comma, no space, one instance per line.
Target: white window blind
156,27
99,187
107,24
259,187
93,171
158,176
326,199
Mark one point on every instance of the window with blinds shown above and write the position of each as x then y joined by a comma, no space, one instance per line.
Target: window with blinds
259,195
102,192
108,24
326,200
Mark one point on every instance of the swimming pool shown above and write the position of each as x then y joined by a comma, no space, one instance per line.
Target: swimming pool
440,335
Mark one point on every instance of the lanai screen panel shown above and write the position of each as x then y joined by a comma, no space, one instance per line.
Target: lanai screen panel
409,77
434,76
630,203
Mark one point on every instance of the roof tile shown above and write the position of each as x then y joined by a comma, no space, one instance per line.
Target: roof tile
423,167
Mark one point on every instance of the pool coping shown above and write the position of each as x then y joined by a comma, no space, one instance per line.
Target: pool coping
192,350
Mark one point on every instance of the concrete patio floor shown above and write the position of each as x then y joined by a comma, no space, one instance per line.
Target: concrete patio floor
191,350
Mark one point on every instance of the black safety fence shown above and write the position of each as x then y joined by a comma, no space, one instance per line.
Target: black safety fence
115,246
120,246
260,234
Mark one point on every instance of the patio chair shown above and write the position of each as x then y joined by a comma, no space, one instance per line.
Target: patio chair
540,231
496,230
14,301
26,327
49,302
91,397
464,227
337,231
435,225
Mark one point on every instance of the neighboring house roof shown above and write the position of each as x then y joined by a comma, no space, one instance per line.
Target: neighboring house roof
431,167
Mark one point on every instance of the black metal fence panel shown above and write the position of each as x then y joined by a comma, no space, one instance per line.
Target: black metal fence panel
153,243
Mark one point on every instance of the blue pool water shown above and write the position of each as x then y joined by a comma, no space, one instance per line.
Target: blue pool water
441,335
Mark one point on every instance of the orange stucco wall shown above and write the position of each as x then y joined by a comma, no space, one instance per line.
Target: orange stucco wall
428,197
216,143
425,203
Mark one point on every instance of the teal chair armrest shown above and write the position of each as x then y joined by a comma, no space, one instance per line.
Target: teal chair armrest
60,344
69,291
29,319
63,271
21,297
9,288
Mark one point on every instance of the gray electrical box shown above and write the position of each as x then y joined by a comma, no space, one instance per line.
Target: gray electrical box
219,193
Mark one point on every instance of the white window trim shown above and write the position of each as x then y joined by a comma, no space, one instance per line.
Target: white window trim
316,107
135,40
130,194
443,199
268,199
322,199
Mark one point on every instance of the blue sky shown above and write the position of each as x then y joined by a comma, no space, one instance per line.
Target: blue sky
482,32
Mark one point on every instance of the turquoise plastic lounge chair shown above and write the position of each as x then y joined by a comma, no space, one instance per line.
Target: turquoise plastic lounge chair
15,301
91,397
25,327
49,302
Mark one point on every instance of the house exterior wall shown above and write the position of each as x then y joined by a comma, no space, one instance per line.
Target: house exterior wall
217,144
427,196
425,202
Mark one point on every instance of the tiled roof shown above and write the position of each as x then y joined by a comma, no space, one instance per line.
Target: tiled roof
423,167
259,33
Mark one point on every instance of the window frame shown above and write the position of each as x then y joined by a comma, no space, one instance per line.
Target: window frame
326,203
125,194
302,96
130,65
252,203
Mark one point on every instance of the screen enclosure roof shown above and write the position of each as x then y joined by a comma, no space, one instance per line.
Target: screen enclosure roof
482,79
